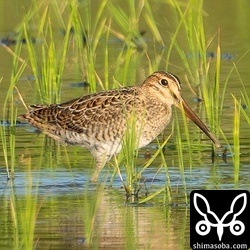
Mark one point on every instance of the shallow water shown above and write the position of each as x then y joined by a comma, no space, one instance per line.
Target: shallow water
51,204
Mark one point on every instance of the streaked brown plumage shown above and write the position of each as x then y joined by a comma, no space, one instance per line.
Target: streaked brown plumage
99,121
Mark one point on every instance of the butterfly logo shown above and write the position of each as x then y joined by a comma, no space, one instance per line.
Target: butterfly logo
203,227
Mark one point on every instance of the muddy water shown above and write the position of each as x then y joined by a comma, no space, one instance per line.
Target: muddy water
51,204
65,210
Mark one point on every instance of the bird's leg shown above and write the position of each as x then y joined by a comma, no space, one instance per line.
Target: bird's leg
100,163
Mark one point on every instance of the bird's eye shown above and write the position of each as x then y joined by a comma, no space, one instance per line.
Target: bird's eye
164,82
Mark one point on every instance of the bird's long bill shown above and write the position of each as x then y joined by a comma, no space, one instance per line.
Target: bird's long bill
192,116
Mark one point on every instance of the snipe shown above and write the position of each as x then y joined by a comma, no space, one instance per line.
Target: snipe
99,121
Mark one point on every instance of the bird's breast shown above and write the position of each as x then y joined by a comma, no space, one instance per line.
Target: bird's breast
158,117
